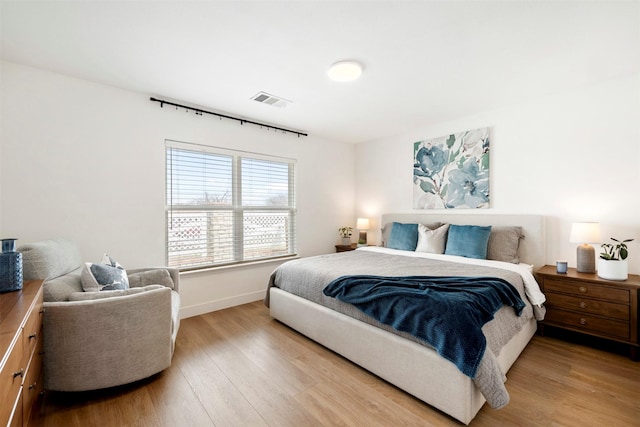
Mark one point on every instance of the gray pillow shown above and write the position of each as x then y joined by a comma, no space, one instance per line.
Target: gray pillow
432,241
151,277
504,243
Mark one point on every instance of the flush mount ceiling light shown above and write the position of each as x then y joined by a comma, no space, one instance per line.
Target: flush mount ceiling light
345,71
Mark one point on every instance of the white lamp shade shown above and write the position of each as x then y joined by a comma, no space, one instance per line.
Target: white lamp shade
362,224
585,232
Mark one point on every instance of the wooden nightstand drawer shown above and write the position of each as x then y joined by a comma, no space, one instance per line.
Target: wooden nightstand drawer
587,290
585,322
589,306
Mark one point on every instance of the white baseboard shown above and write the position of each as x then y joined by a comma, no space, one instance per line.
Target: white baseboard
195,310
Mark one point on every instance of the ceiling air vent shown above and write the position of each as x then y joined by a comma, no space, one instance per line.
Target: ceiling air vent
272,100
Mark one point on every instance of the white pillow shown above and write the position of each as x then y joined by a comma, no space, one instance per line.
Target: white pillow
107,260
432,241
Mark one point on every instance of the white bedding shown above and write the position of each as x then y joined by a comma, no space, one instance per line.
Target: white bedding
535,295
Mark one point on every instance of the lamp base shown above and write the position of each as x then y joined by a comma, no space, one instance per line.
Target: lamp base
362,238
586,257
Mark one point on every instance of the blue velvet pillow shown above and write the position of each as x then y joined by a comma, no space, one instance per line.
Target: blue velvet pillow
403,236
468,241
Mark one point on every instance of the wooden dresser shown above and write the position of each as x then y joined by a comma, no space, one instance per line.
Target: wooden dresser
20,353
585,303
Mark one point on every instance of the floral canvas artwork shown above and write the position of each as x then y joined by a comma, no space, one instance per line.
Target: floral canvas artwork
452,172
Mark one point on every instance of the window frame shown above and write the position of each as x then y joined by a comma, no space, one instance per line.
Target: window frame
236,208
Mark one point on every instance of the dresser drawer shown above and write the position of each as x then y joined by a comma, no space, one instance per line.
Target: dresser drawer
10,381
21,316
588,323
589,306
587,290
33,380
17,419
32,329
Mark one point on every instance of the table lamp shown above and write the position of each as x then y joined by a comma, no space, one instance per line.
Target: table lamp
362,224
585,233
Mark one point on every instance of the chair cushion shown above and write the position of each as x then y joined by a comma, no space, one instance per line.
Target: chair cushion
88,296
60,288
49,259
151,277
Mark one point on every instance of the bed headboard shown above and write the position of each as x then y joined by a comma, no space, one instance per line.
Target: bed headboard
532,247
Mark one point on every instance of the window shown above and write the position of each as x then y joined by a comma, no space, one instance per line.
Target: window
227,207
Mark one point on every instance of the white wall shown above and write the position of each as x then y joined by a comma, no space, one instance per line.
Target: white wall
86,161
571,157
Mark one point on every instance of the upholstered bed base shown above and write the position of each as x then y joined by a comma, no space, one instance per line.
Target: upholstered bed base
410,366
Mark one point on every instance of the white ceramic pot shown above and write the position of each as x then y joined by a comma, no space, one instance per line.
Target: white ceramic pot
613,269
346,241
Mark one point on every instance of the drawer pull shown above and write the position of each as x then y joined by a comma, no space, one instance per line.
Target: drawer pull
32,386
32,336
19,373
583,304
582,289
583,321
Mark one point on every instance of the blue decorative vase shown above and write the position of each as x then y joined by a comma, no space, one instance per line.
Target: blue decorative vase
10,267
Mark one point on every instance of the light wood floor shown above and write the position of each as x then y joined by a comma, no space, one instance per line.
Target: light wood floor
239,367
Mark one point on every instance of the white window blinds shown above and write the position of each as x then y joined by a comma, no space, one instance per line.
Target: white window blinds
226,207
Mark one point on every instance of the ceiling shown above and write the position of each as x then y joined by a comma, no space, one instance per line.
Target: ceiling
424,61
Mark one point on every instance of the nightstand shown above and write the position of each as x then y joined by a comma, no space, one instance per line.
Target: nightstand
345,248
585,303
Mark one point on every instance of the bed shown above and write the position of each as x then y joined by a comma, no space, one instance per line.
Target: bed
295,298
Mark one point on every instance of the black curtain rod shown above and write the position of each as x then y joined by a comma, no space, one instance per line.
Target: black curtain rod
199,112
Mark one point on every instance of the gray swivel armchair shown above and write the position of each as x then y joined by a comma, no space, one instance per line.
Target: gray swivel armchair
95,340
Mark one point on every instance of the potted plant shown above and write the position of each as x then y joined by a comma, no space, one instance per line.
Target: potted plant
612,264
345,233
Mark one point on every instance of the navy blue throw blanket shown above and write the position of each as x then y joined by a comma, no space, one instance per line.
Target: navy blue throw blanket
446,312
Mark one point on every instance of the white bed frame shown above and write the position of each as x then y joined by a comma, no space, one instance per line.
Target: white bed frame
412,367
